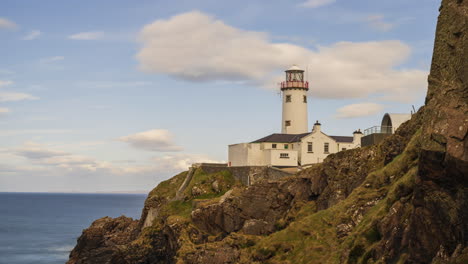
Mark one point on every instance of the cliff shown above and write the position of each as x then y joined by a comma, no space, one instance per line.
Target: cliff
403,201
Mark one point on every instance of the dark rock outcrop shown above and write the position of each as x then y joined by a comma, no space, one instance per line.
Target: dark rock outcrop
255,209
435,221
104,241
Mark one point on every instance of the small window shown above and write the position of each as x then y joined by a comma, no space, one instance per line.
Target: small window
286,146
343,149
288,98
273,145
310,147
287,123
305,99
326,147
284,155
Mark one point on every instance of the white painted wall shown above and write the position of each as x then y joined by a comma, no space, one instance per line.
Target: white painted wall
262,154
357,139
246,154
294,111
318,154
273,157
345,145
238,154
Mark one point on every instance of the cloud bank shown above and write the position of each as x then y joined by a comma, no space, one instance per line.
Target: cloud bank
56,170
159,140
197,47
358,110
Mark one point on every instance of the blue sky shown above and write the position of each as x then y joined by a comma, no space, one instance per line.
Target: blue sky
118,95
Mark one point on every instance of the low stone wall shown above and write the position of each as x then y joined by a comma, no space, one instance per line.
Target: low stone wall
248,175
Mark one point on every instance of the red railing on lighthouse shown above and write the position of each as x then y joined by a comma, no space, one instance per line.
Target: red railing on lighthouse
294,84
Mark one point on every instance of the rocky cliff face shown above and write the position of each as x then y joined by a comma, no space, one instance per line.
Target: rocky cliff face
403,201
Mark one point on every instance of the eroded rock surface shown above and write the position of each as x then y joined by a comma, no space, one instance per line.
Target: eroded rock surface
104,241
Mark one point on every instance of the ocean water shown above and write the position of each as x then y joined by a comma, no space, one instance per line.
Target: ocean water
42,228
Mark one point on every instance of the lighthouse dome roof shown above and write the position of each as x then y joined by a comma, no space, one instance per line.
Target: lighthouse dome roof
295,68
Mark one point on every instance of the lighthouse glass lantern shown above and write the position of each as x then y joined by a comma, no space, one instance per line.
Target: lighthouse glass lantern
294,76
295,79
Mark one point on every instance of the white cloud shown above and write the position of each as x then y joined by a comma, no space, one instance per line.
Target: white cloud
91,35
52,59
317,3
42,155
4,110
7,24
152,140
377,22
197,47
40,167
12,97
5,83
358,110
32,35
194,46
36,151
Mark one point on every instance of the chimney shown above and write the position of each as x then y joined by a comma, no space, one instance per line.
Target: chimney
357,135
316,127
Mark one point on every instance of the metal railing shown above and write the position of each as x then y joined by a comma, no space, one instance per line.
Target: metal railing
378,130
294,84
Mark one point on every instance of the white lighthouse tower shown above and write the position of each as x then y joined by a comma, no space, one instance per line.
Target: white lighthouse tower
294,91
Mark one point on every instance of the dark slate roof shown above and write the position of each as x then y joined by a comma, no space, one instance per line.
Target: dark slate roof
342,139
282,138
290,138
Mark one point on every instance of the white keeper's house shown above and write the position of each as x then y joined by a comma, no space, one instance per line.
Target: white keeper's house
295,145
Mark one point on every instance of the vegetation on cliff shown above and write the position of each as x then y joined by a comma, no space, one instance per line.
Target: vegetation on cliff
403,201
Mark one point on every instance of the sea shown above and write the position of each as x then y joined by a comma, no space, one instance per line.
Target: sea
42,228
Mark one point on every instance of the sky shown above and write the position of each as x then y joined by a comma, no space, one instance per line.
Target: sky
116,96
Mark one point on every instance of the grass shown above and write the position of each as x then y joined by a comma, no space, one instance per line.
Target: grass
201,180
169,187
313,237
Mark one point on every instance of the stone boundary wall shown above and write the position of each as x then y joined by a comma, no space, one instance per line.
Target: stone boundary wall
248,175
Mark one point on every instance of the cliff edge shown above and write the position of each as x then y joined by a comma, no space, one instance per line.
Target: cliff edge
402,201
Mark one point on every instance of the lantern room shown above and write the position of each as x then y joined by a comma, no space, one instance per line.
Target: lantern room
295,79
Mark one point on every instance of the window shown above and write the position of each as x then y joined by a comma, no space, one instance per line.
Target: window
287,123
305,98
273,145
343,149
286,146
326,147
284,155
310,147
288,98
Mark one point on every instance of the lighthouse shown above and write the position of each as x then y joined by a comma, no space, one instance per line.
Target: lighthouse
294,91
